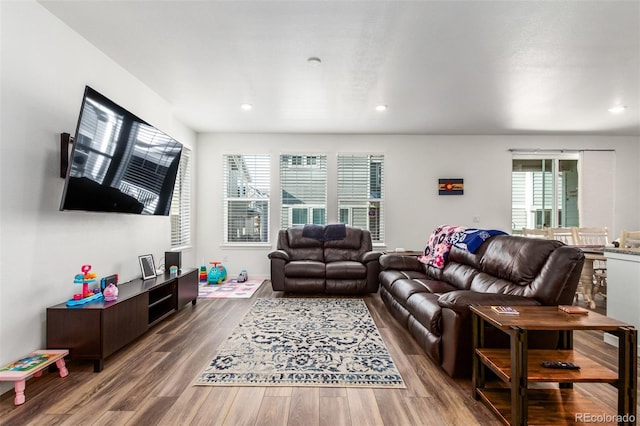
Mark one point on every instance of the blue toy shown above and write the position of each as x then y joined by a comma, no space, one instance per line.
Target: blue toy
217,273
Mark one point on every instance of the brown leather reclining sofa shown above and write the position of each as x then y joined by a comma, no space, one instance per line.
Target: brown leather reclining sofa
433,303
343,265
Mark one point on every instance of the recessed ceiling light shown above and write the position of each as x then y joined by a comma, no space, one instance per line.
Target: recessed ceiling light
618,109
314,60
246,107
382,108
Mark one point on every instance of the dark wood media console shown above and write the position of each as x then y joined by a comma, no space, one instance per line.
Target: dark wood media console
96,330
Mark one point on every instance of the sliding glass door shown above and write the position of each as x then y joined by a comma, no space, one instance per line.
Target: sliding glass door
544,191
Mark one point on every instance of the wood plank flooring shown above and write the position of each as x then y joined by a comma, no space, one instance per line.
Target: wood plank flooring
150,382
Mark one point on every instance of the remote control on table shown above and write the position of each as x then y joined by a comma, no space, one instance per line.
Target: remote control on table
560,364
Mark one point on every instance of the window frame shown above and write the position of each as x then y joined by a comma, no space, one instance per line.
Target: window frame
263,172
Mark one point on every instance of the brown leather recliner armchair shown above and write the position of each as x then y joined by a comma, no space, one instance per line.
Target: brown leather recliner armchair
312,265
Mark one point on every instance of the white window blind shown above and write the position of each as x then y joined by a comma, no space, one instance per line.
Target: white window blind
181,203
303,183
247,186
361,192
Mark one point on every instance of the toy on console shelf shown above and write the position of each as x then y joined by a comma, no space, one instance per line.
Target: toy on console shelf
217,273
87,277
110,293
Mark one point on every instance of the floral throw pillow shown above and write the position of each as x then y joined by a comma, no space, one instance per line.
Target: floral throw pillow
439,245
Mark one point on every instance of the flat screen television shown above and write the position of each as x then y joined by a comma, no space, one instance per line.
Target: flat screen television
119,163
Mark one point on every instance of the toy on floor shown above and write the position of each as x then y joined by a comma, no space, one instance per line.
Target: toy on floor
32,365
87,277
217,273
243,277
203,274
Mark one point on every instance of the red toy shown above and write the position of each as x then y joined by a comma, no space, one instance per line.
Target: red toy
87,295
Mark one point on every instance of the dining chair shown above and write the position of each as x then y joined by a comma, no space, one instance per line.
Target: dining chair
536,233
568,236
595,238
629,239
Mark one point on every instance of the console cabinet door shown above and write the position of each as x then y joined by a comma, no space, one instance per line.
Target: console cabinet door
77,330
187,288
124,322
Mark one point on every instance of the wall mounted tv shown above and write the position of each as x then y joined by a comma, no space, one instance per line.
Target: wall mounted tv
119,163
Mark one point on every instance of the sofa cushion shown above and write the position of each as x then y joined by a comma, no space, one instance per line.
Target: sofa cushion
437,287
345,286
314,254
345,270
307,285
459,275
485,283
297,247
296,240
460,300
388,278
351,241
304,268
517,259
352,247
404,288
425,308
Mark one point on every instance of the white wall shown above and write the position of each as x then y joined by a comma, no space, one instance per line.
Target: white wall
45,67
413,164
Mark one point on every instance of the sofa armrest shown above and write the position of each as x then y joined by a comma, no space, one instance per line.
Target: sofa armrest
279,254
460,300
370,256
401,263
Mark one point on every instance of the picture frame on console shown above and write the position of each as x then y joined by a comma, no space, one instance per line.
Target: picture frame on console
147,267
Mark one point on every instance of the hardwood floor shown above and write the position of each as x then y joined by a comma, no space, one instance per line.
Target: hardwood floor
151,382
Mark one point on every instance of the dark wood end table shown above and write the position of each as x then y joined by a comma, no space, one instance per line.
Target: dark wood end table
518,366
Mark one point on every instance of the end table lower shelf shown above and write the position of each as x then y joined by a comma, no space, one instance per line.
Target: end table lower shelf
548,406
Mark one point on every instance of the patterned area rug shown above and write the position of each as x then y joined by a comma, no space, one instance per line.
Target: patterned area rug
304,342
229,289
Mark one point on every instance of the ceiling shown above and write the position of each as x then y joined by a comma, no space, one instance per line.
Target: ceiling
442,67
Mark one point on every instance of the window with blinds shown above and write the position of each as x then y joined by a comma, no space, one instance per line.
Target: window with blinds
361,192
181,203
303,181
247,183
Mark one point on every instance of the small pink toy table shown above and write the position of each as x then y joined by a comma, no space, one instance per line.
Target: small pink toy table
32,365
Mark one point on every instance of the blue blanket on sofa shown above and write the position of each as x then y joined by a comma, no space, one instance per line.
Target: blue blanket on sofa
470,239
